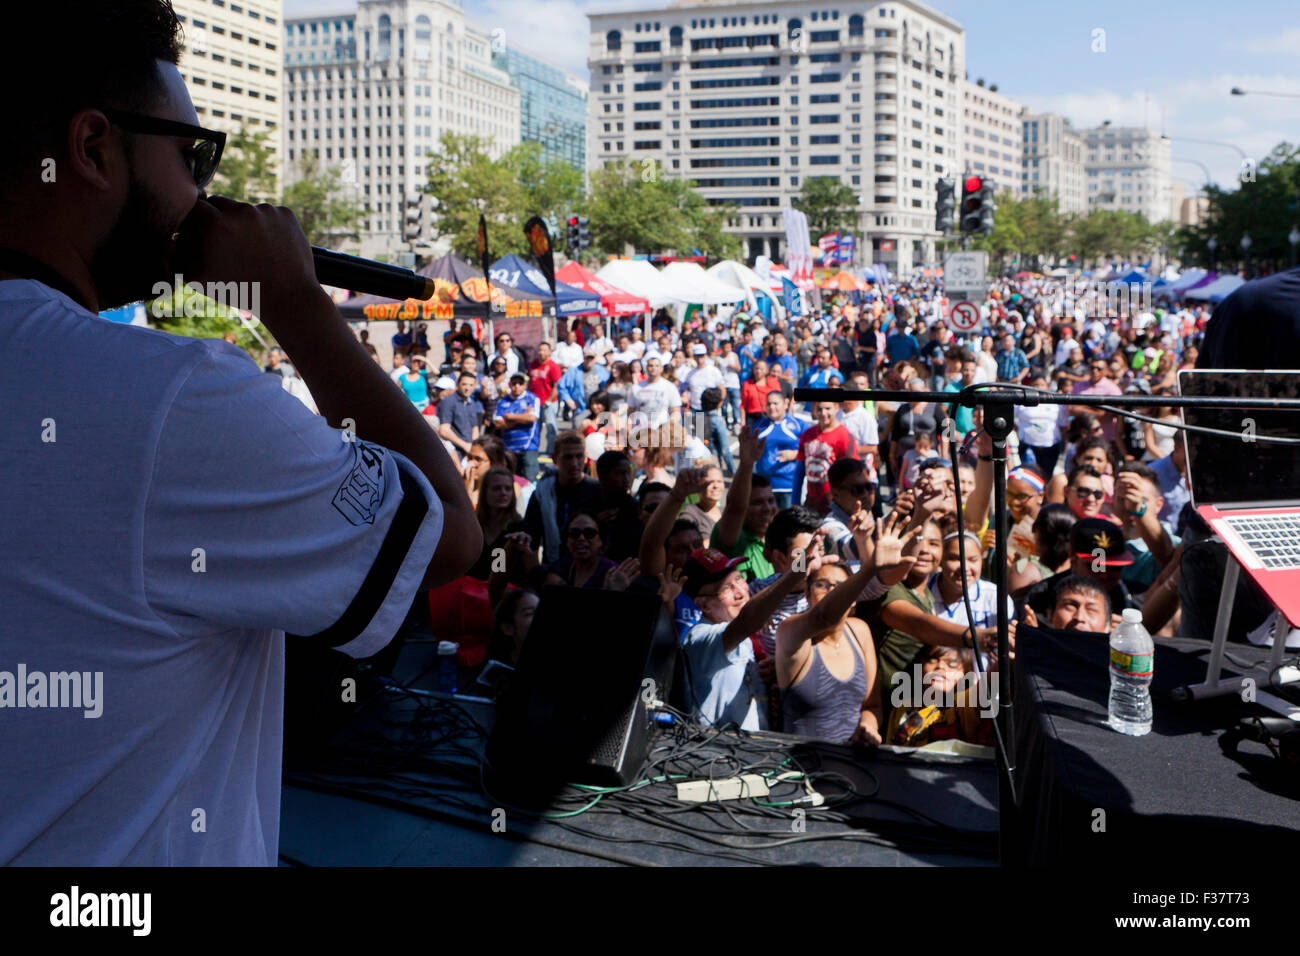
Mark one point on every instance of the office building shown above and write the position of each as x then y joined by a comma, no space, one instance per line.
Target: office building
991,136
233,65
371,91
1053,155
552,105
1127,167
752,99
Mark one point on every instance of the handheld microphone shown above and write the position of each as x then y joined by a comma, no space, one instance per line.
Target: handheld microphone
369,277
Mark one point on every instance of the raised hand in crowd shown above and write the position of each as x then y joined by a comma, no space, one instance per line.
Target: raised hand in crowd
670,585
620,577
882,543
689,481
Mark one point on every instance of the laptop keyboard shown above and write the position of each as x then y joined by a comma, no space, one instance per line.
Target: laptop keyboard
1275,539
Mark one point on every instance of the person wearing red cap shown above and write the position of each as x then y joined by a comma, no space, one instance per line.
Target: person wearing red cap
725,686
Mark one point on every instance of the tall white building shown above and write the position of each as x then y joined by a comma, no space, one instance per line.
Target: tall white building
1053,161
1127,167
751,99
991,137
371,91
233,65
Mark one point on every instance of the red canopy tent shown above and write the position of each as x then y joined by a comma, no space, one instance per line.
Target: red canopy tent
612,301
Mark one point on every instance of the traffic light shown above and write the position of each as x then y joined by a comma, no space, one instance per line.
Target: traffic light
977,206
945,204
584,234
571,236
414,228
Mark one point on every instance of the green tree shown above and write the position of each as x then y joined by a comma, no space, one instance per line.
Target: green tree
829,204
551,188
1266,208
317,199
186,312
247,170
631,206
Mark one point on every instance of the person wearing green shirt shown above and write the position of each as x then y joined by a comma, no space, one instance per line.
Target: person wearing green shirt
749,509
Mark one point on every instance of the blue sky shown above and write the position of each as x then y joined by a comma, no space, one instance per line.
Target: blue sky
1170,63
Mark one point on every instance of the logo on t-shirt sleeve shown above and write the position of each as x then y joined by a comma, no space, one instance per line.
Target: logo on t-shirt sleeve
358,497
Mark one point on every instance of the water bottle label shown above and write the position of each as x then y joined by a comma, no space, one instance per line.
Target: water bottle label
1131,665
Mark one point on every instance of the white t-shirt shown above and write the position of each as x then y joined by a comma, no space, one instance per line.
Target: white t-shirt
652,402
862,426
165,534
567,354
700,379
1041,425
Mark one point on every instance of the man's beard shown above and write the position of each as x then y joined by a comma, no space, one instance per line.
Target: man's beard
134,257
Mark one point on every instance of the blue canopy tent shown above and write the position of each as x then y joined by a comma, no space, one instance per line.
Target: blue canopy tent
524,281
1133,275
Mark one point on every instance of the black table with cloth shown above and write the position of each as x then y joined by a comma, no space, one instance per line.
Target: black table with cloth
1173,795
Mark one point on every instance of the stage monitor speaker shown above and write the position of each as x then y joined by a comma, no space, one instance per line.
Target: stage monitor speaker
575,708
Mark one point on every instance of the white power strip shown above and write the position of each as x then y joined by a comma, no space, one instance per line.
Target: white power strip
728,788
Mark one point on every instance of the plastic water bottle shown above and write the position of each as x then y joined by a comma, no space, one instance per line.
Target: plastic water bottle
1132,655
447,666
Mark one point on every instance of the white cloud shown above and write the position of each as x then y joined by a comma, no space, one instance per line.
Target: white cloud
1195,109
1288,41
555,30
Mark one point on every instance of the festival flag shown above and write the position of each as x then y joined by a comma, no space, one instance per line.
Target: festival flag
539,240
484,259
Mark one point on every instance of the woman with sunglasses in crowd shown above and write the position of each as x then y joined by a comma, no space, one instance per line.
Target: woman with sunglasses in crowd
584,566
1093,450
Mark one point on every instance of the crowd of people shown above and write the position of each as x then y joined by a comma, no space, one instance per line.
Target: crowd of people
810,554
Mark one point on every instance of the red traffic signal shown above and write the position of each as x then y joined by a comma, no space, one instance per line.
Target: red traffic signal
573,220
973,184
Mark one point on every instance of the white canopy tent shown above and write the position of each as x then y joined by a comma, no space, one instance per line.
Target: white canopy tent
638,277
688,282
737,274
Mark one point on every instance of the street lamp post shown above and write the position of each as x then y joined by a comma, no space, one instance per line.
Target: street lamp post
1293,237
1211,244
1238,91
1245,250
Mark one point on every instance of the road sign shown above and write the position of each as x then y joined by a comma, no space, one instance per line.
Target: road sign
964,316
965,274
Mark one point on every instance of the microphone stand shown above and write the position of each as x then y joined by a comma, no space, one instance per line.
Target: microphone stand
999,402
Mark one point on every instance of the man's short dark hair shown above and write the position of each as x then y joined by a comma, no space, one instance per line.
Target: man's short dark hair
649,488
760,481
1078,470
844,469
70,55
788,524
683,524
466,375
1078,584
1142,470
610,460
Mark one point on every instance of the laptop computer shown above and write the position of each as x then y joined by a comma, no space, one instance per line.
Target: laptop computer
1249,491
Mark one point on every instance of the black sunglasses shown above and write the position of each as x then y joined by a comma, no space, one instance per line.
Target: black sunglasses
1091,493
202,157
588,533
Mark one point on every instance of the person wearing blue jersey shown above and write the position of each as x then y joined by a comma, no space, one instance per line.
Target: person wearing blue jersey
781,431
516,418
822,372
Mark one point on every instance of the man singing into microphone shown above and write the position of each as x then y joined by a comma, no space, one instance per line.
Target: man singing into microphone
159,541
